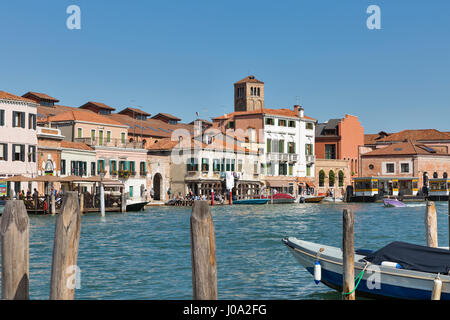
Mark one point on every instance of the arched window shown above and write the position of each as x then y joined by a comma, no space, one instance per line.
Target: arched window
341,178
251,91
321,178
435,175
445,175
352,167
331,178
259,92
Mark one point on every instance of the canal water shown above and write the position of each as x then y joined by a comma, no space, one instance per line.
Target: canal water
146,255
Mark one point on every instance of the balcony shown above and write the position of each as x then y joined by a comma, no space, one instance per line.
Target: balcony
284,157
113,143
310,159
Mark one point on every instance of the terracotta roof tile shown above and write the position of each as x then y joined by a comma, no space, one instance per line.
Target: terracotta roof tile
40,96
9,96
416,135
404,148
83,115
75,145
98,105
167,115
134,110
250,79
279,112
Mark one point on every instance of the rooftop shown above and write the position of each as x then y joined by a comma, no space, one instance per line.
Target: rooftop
9,96
39,96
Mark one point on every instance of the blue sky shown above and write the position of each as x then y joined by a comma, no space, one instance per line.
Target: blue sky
184,56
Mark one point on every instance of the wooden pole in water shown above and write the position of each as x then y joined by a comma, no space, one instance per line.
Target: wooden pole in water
431,225
52,204
65,249
203,253
14,230
123,202
348,267
212,197
230,199
81,202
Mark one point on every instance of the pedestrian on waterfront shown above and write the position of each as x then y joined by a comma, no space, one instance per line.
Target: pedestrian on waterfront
152,194
169,192
28,194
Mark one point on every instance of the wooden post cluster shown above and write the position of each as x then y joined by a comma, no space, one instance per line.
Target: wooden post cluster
14,230
431,225
65,249
348,272
203,253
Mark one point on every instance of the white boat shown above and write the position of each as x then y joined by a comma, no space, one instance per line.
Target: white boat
331,199
378,281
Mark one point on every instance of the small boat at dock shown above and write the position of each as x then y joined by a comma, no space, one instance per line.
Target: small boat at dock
136,206
251,201
282,198
311,199
399,270
393,203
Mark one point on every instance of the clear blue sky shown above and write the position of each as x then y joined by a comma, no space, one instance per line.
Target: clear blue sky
184,56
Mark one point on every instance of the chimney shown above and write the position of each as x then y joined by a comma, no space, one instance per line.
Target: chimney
197,128
299,109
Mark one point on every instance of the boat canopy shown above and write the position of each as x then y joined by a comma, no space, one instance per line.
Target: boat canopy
413,257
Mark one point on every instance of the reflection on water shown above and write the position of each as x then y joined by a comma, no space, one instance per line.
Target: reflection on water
146,255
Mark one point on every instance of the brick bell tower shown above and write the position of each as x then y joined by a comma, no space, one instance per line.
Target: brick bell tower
248,94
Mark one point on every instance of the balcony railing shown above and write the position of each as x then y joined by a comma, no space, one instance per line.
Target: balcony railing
275,156
310,158
116,143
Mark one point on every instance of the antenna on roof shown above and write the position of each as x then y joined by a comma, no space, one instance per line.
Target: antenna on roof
197,114
297,100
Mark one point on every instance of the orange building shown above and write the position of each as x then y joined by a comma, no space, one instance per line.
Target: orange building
340,139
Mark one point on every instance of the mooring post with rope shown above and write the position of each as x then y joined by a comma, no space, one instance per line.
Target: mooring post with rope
348,265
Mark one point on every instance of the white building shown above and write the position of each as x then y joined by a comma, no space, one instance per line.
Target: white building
18,141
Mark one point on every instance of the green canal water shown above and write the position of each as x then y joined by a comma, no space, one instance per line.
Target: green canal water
146,255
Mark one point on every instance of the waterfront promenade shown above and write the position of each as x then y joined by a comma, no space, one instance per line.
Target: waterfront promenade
146,255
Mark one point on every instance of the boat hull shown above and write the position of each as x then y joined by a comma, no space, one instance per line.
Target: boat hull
313,199
138,206
377,281
251,201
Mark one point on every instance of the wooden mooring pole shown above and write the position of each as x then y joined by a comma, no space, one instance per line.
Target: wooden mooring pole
348,267
203,253
449,222
65,249
14,230
431,225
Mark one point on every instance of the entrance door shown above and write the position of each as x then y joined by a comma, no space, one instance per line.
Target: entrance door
157,183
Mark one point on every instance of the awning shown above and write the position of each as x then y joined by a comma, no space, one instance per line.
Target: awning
17,179
306,181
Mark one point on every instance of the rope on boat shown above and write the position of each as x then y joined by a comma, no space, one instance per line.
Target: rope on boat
359,277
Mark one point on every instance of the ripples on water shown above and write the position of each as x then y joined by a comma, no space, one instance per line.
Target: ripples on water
146,255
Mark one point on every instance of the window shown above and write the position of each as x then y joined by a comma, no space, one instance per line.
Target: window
2,117
227,164
269,145
230,125
80,132
122,137
269,168
282,169
255,167
281,146
93,135
131,191
390,168
341,178
270,121
18,119
291,124
239,165
291,147
308,171
330,151
321,178
205,164
100,137
4,151
100,166
63,166
404,168
309,149
31,153
291,169
32,121
108,136
192,164
216,165
331,178
92,168
309,126
142,168
18,152
113,167
282,123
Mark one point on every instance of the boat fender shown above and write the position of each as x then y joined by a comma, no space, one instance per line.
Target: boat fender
317,272
391,264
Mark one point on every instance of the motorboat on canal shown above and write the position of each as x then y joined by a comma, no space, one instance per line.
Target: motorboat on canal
332,199
393,203
399,270
251,201
278,198
136,205
311,199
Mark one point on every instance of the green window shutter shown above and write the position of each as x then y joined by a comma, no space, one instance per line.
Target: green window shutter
269,145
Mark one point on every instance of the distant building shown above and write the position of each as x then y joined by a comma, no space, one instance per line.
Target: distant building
339,139
248,94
